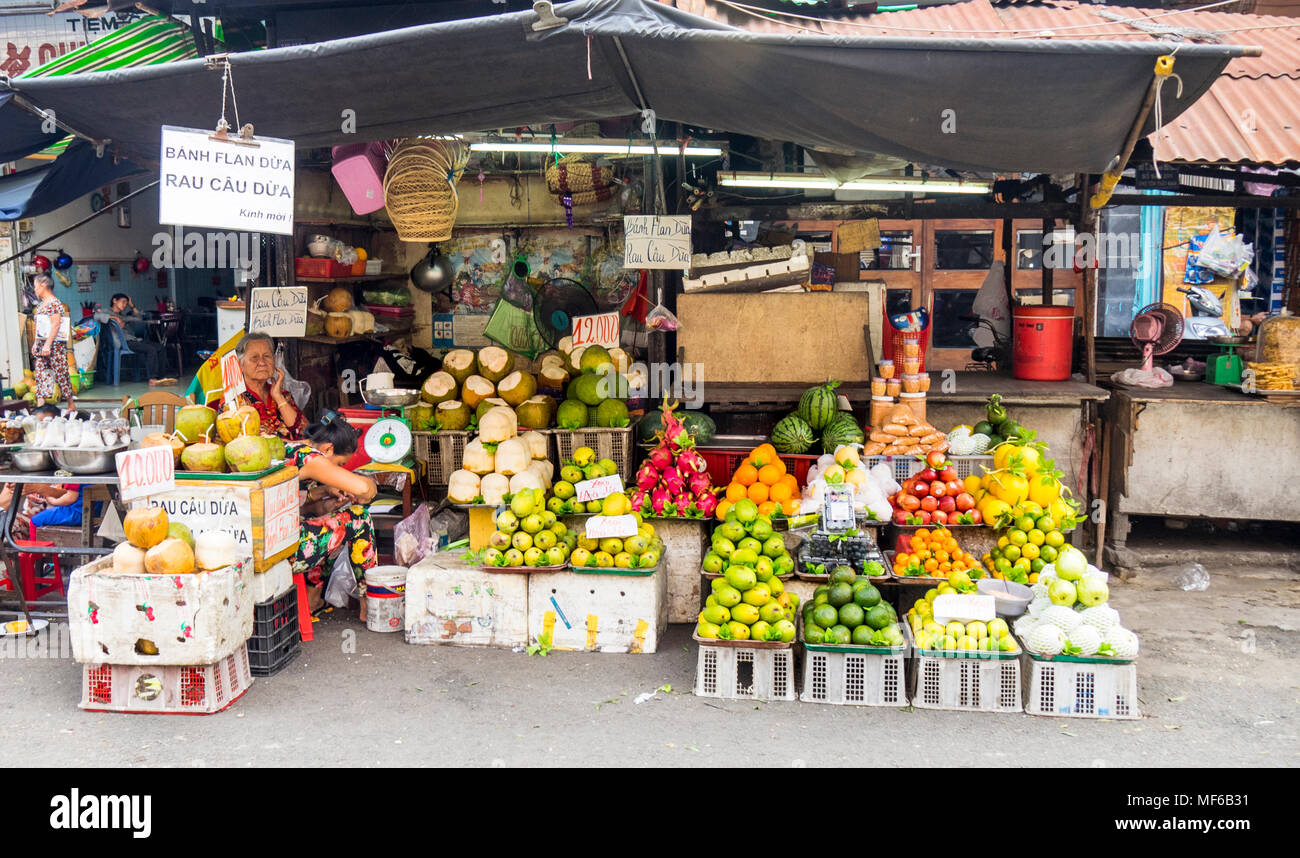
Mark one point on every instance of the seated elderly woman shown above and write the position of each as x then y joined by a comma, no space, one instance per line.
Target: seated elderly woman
334,517
265,389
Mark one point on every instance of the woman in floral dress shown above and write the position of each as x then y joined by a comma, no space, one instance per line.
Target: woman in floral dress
334,516
50,345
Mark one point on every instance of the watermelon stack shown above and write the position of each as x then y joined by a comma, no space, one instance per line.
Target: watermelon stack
792,435
818,414
817,406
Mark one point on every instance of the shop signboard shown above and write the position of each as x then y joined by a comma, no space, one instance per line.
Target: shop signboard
278,312
225,184
657,241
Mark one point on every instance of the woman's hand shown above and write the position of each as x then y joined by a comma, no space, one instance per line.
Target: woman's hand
277,387
45,352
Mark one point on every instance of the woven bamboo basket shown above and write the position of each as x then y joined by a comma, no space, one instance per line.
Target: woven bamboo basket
583,181
420,188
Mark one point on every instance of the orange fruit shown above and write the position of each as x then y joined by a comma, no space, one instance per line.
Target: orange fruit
763,454
768,507
789,480
758,492
735,492
780,493
931,565
790,507
921,533
746,475
769,475
721,512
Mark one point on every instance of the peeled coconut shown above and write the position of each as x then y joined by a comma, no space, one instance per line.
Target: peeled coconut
176,530
145,527
517,387
477,459
552,357
565,344
161,439
452,415
494,488
494,363
204,457
339,300
439,387
243,420
622,360
526,480
499,424
338,325
215,549
247,454
476,389
488,404
575,360
513,456
459,364
543,469
169,557
537,444
553,377
194,421
463,486
537,413
128,559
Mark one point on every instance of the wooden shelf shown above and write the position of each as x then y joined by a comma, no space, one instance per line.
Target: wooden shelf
324,221
334,341
357,278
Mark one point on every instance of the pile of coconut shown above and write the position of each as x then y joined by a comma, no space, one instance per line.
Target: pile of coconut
205,441
500,461
469,384
156,546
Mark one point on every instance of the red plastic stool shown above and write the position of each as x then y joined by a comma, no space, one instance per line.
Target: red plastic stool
34,587
304,612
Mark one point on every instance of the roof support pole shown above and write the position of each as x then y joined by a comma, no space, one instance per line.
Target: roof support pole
1164,67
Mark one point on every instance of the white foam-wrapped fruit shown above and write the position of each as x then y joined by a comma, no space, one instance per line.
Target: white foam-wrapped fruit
1086,638
1062,617
1103,618
1038,605
1023,625
1046,639
1123,643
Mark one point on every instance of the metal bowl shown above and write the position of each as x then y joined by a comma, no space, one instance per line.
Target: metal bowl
392,398
79,461
1181,374
1220,340
1009,598
32,461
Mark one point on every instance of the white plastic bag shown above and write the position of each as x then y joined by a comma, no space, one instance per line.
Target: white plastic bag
1134,377
343,581
882,476
299,390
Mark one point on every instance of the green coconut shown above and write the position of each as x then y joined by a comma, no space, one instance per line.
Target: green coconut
452,415
537,412
459,364
439,387
611,412
517,387
488,404
592,357
572,414
494,363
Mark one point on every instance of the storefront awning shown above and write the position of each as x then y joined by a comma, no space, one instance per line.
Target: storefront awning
1041,105
71,176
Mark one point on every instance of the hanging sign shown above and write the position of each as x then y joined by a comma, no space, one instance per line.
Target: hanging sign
599,330
146,471
657,241
601,487
605,526
278,312
221,184
232,378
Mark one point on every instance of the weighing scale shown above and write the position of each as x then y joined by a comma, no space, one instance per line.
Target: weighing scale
389,440
1225,367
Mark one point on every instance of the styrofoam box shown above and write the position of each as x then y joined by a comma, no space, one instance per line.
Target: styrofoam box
1071,690
450,602
685,543
272,583
598,611
184,689
191,619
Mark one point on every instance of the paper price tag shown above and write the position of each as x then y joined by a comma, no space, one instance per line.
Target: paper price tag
603,526
964,608
601,487
599,330
146,471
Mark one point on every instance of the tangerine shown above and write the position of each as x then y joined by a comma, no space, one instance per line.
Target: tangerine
746,474
757,492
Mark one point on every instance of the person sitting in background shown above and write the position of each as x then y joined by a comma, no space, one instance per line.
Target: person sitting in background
333,516
63,508
264,383
129,319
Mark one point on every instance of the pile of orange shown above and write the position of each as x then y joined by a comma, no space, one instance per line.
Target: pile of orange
935,554
762,478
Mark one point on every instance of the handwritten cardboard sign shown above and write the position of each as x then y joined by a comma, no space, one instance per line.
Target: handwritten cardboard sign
146,471
604,526
657,241
601,487
598,330
232,378
278,312
280,514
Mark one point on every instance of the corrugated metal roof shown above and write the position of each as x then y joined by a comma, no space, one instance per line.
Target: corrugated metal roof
1249,115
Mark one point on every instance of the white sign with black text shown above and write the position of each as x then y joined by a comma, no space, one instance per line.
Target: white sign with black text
278,312
219,184
657,241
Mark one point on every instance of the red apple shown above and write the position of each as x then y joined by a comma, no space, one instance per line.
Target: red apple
926,476
909,502
921,489
954,487
948,503
929,504
900,516
965,501
939,517
976,517
948,474
938,489
926,518
935,458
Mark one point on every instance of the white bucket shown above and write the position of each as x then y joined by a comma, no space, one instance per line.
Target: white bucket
386,598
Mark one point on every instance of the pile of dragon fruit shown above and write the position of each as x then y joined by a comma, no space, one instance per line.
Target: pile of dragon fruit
673,482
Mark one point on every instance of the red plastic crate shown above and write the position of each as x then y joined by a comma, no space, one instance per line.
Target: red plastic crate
723,463
310,266
379,310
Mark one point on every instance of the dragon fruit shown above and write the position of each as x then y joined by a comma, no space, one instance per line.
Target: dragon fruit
690,461
672,479
647,476
661,458
659,500
707,504
698,483
638,497
674,433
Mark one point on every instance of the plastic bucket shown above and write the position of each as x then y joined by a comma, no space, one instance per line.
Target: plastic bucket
1044,342
386,598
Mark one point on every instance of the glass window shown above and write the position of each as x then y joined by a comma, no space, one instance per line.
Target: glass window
1060,297
1029,249
894,253
950,332
1119,288
963,249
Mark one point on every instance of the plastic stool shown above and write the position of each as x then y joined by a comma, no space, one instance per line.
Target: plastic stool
304,612
34,587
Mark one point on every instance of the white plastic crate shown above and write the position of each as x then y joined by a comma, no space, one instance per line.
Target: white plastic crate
854,678
744,673
904,466
157,689
599,612
967,684
1072,690
451,602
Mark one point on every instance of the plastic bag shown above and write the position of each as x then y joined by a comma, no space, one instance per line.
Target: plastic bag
660,318
1157,377
1225,255
300,391
343,581
412,540
882,476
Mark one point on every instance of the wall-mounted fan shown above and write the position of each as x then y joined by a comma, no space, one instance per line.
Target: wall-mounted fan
555,306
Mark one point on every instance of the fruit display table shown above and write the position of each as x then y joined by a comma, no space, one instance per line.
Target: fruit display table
1198,450
685,541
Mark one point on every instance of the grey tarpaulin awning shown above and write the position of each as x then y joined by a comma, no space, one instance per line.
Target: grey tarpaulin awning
1024,104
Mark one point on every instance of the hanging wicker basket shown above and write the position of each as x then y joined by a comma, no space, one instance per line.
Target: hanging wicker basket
420,187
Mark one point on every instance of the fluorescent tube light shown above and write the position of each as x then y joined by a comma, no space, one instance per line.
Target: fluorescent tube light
816,181
696,149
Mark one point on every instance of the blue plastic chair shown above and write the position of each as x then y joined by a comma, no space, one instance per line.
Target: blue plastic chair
116,348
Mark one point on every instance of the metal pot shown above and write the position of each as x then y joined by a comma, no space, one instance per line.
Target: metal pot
433,273
32,461
79,461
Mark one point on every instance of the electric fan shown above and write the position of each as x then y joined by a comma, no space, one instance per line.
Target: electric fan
555,306
1156,330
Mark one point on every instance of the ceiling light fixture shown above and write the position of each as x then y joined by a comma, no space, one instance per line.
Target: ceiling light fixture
817,181
612,148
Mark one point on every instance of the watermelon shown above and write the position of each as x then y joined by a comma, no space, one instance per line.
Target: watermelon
817,405
843,429
792,435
